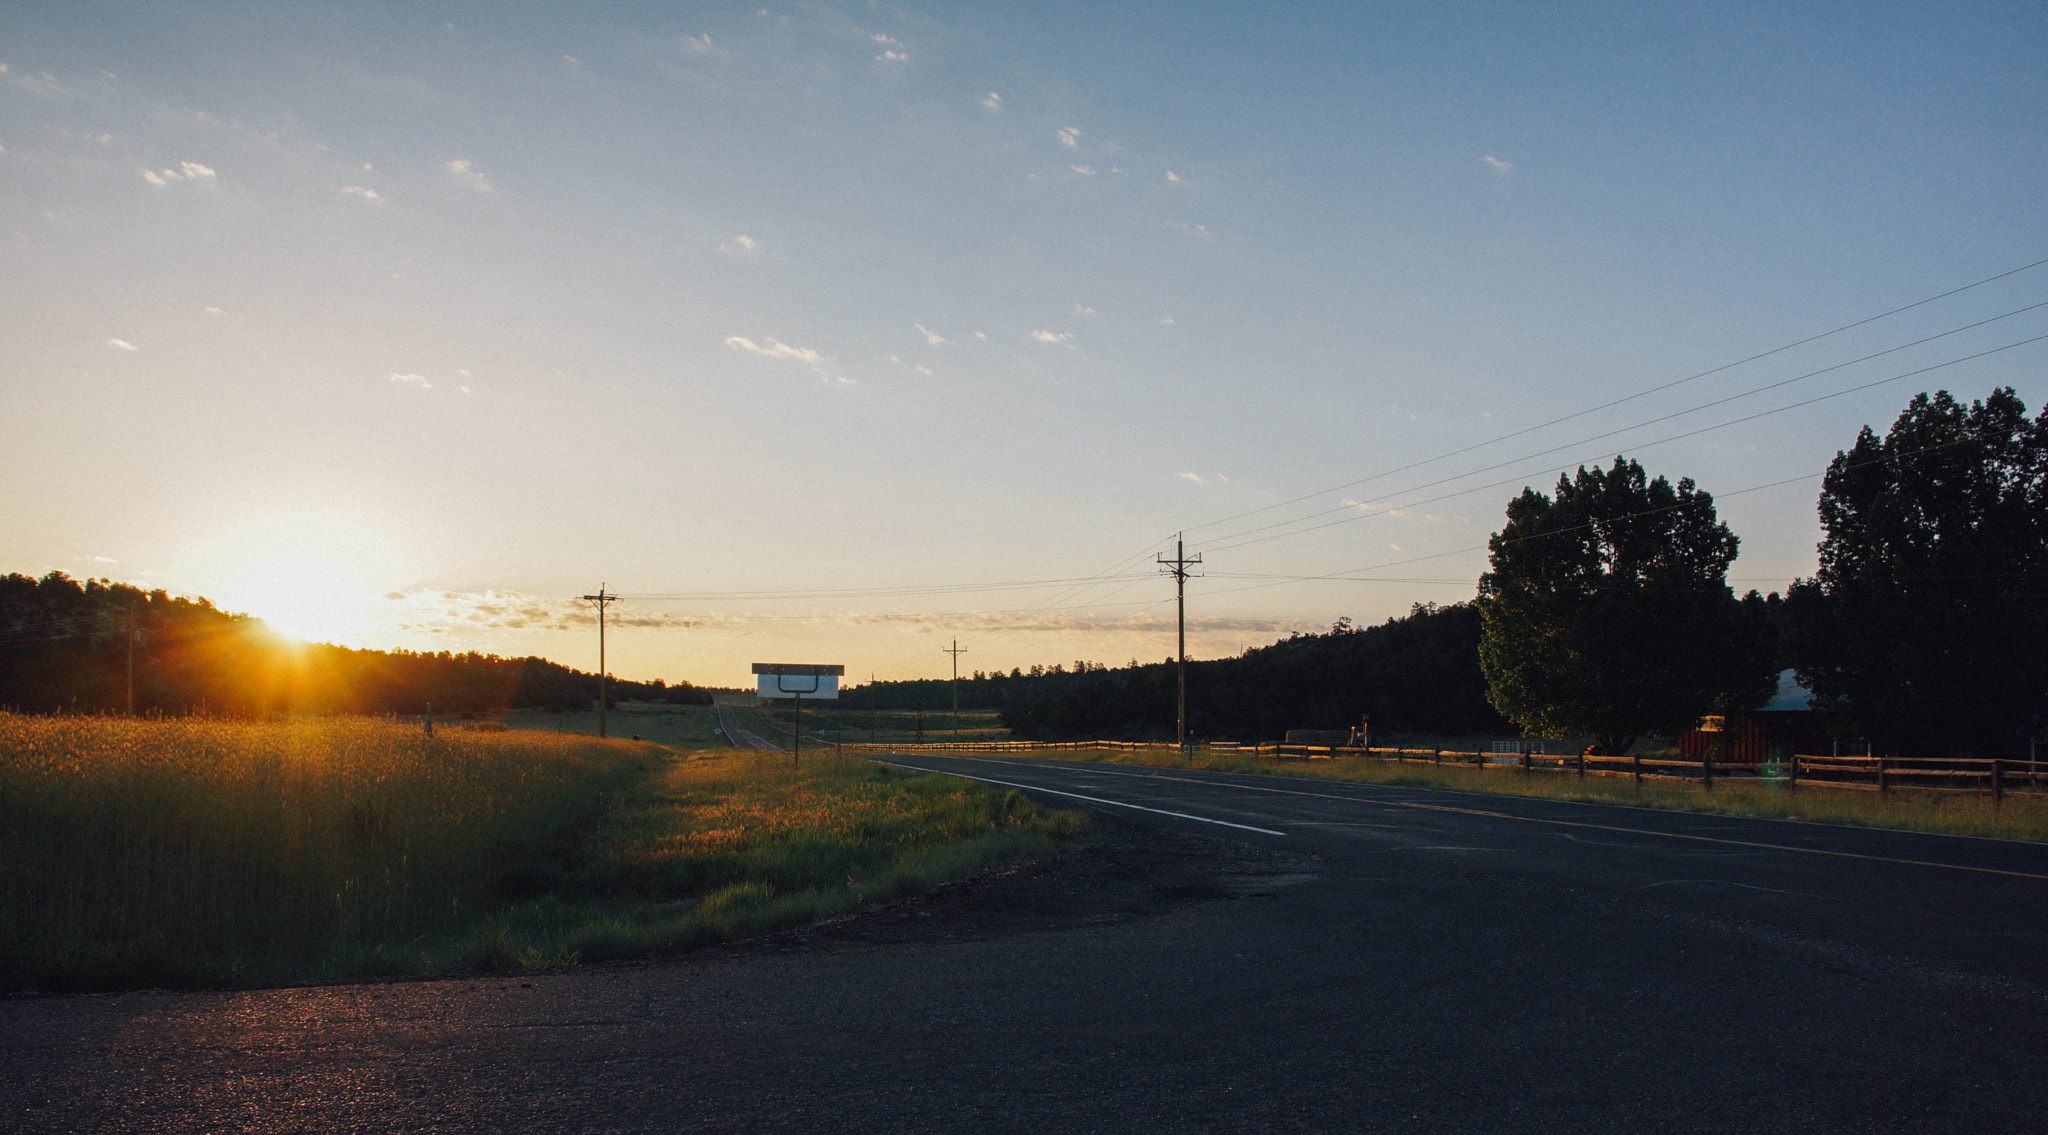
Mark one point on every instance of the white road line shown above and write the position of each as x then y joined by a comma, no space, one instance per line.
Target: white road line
1090,799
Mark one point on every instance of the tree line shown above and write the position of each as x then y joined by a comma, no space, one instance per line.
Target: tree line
1606,612
65,647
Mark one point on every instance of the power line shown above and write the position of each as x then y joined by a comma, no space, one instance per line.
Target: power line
1665,417
1628,398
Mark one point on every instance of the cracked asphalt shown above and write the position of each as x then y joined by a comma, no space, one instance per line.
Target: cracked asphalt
1344,958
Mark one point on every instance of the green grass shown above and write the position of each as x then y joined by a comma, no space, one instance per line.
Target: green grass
681,726
2023,818
213,853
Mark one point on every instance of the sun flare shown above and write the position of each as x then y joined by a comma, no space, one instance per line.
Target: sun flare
309,575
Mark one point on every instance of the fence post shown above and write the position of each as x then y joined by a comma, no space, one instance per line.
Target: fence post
1637,767
1582,764
1439,757
1793,779
1528,761
1997,781
1883,781
1707,770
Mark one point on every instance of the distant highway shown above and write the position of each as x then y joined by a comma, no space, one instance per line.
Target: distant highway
739,737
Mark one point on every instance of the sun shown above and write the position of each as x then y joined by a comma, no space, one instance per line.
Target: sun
309,574
303,599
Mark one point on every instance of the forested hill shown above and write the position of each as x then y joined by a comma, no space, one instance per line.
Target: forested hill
64,646
1418,673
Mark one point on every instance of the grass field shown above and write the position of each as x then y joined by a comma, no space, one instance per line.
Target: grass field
1904,810
198,852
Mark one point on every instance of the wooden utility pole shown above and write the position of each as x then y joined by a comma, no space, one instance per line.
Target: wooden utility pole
1178,568
602,598
132,632
956,650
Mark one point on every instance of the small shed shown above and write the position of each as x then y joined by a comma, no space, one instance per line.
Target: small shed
1785,724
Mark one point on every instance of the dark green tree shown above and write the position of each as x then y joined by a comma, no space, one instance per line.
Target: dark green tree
1607,612
1926,628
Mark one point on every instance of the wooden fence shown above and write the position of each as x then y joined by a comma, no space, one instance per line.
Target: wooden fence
1996,778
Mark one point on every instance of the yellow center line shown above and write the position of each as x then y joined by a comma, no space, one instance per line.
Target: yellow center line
1611,828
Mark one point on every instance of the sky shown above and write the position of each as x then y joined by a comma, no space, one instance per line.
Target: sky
839,333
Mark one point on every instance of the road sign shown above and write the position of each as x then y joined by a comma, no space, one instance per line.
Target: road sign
797,680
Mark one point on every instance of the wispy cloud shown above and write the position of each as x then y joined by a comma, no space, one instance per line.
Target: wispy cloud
121,345
981,334
1195,477
1083,309
741,245
1166,321
418,380
1054,337
1083,170
701,44
1070,137
1199,232
774,349
931,336
186,171
103,559
1174,177
893,50
369,195
465,169
1496,164
992,100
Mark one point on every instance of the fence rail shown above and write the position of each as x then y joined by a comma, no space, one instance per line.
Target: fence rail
1997,778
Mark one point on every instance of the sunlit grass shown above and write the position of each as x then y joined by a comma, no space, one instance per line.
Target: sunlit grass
2018,817
205,852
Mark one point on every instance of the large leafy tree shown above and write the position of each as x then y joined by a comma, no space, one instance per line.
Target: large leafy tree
1926,628
1607,612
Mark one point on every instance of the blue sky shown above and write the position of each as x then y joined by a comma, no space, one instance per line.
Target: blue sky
405,325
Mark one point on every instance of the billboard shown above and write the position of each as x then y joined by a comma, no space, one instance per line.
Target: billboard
797,680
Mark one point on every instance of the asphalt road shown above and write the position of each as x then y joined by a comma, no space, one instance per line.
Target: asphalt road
741,737
1407,960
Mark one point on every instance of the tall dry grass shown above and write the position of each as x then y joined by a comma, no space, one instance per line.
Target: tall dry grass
194,851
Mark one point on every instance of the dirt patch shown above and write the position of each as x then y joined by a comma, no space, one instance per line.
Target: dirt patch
1126,874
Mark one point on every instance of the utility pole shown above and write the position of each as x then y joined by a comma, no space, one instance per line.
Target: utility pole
601,599
132,632
956,650
871,707
1178,568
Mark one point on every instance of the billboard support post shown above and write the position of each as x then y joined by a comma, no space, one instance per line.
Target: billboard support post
797,681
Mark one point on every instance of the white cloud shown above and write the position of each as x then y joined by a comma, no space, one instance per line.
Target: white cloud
1200,232
213,311
369,195
466,170
922,369
1498,165
773,349
931,336
196,171
103,559
981,334
1082,309
154,178
698,43
465,390
1085,171
1070,137
572,61
741,245
1167,321
992,100
1118,169
1195,477
1174,177
122,345
418,380
1054,337
894,57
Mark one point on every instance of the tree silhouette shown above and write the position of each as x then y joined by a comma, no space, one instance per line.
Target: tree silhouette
1924,627
1607,611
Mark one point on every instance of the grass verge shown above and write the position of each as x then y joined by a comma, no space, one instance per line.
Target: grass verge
216,853
2022,818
